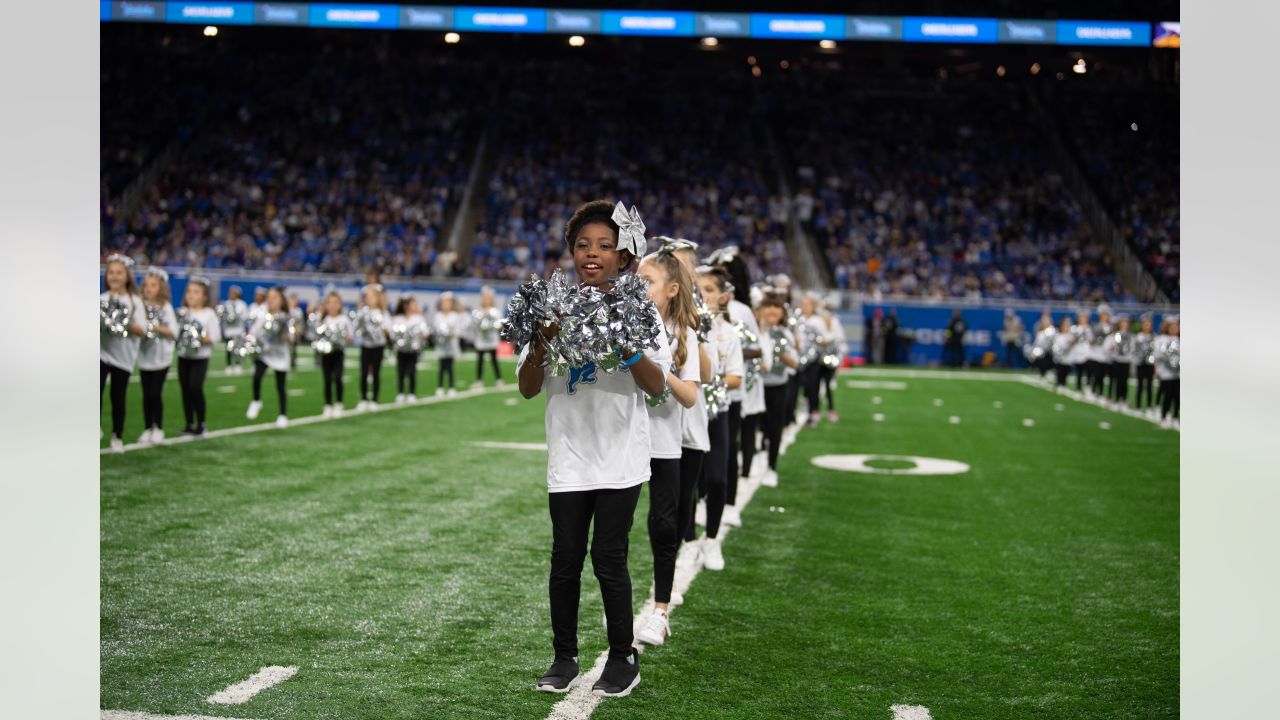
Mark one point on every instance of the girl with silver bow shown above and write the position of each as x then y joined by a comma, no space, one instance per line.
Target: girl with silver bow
274,334
485,323
371,325
232,314
197,318
446,328
155,353
408,334
333,334
1167,353
122,313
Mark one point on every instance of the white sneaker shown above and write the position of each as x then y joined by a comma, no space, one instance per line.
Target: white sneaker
655,629
759,464
145,437
712,558
770,478
117,445
327,412
337,410
157,436
452,392
371,406
676,598
255,407
477,385
439,392
401,399
413,399
700,514
731,517
282,421
501,382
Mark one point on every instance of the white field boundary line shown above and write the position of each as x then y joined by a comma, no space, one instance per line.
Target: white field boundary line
312,419
424,363
581,701
910,712
242,692
130,715
1087,400
927,374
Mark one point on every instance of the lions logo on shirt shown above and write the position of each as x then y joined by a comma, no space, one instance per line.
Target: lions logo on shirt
585,374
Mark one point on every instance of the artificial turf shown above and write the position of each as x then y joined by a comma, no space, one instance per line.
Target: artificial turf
404,572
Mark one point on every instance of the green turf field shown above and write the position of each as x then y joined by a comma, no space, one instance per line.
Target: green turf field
404,572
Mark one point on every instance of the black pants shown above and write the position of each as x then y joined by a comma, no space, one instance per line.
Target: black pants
407,372
1146,375
735,430
1080,374
664,523
1098,377
715,470
1120,382
1062,372
233,360
810,377
446,366
153,397
793,394
370,368
119,394
775,418
493,357
750,424
1170,398
259,369
572,514
331,367
827,374
191,374
1010,352
690,472
954,354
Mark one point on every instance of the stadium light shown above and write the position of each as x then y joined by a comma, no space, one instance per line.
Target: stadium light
751,59
1079,68
577,41
1133,127
710,42
827,44
755,71
210,31
1035,68
452,38
1000,71
784,64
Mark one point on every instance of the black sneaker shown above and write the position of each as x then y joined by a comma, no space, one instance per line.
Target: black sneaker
619,677
561,677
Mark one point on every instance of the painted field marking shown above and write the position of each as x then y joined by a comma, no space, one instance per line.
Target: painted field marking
349,413
954,419
1059,407
922,465
878,417
130,715
997,404
226,389
937,402
510,402
876,385
580,702
1028,422
925,374
1104,425
242,692
540,447
877,400
910,712
1096,402
297,392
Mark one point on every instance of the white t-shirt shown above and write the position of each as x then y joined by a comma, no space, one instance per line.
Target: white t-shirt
339,321
774,374
377,326
728,351
157,353
122,352
666,429
255,309
1062,348
208,319
485,339
740,313
275,348
1079,352
598,426
414,324
240,310
448,330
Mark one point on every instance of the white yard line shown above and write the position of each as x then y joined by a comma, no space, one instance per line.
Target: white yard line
1082,398
294,422
581,702
242,692
910,712
129,715
542,447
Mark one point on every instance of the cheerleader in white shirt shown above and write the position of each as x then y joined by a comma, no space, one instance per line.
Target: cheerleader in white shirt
272,330
1080,353
485,321
233,315
1119,347
193,364
727,357
1064,351
118,351
671,289
1143,346
258,304
830,358
409,331
779,362
746,404
447,328
598,444
155,352
1167,350
333,333
371,328
814,335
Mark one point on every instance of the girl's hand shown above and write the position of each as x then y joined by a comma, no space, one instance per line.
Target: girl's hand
206,340
549,331
137,329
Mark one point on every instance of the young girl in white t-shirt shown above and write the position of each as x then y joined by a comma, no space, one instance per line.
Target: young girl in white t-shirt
447,328
118,351
779,360
671,289
409,329
726,351
155,352
598,445
273,332
193,365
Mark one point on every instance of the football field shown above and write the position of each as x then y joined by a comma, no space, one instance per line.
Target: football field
396,563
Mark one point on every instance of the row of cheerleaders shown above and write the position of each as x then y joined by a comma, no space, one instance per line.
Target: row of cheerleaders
662,369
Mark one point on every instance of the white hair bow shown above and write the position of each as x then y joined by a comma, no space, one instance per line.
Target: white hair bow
630,230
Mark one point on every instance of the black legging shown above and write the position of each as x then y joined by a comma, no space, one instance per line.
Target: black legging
664,523
1098,377
1146,375
260,369
793,396
690,472
191,373
407,372
331,367
1062,372
715,471
1170,398
775,418
750,424
810,377
370,366
1080,373
119,394
572,517
1120,382
735,432
493,357
446,366
153,397
827,374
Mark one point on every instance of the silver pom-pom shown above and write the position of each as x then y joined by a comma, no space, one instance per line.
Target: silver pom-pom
369,324
276,326
706,322
244,347
115,316
190,336
328,337
405,338
751,374
228,315
658,400
716,394
153,321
